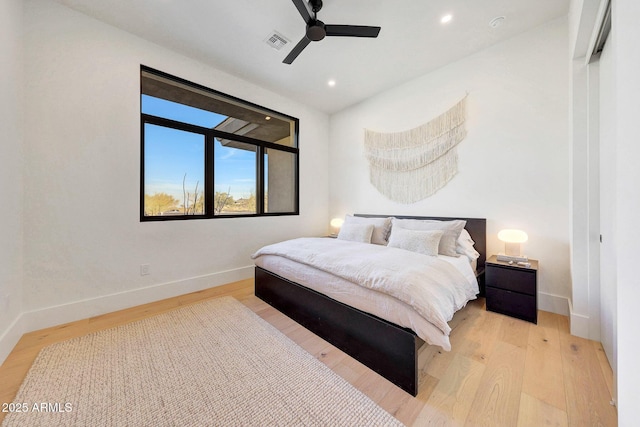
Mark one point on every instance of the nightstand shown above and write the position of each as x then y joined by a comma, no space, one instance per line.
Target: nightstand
512,289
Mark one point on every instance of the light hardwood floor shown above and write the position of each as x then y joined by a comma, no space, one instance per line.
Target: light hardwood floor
501,371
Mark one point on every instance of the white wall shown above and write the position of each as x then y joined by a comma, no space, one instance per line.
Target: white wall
84,240
514,165
11,159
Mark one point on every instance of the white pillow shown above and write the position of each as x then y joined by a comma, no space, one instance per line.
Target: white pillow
421,241
451,229
356,232
465,246
382,227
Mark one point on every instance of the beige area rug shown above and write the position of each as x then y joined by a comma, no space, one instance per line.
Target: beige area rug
215,363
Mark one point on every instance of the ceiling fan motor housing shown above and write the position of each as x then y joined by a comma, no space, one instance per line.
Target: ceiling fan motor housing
316,31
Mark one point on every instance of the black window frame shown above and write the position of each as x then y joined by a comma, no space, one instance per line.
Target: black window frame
209,168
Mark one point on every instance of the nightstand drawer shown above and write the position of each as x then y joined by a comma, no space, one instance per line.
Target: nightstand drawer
512,279
512,304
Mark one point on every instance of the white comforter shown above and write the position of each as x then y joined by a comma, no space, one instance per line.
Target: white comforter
431,286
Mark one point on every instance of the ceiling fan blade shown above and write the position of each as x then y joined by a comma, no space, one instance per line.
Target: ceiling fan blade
302,8
352,30
297,50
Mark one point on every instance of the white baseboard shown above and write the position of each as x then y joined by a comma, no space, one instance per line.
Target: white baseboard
56,315
578,323
553,303
11,336
78,310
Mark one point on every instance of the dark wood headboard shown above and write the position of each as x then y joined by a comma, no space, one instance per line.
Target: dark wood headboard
477,228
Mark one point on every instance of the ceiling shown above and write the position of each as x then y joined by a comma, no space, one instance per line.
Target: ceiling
230,36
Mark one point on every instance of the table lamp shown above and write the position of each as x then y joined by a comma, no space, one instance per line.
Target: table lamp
512,240
336,224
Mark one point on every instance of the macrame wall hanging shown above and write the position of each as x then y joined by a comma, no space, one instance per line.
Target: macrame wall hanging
411,165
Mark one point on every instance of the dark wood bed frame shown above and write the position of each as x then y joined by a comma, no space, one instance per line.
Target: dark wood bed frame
388,349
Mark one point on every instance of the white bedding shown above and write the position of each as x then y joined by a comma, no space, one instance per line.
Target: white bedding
409,289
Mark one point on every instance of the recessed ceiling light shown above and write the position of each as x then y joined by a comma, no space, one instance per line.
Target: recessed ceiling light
446,18
331,83
497,21
267,118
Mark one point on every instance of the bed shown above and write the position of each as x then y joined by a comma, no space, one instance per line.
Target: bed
386,341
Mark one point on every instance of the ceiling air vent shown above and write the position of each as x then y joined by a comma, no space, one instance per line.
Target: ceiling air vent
276,40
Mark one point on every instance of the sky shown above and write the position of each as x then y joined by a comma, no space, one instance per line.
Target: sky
171,153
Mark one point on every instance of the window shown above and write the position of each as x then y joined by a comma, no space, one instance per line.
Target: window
206,154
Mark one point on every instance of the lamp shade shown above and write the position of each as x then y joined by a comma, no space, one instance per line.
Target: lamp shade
337,222
512,240
513,236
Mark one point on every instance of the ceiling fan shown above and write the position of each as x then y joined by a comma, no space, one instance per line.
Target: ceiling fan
317,30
